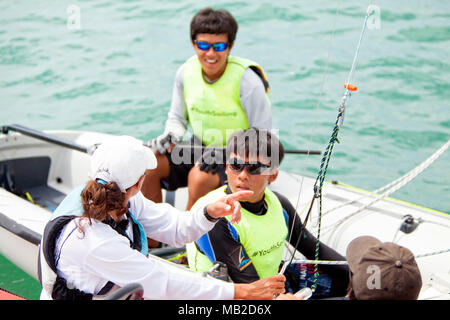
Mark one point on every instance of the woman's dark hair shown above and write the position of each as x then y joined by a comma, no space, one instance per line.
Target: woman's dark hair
100,202
257,143
214,22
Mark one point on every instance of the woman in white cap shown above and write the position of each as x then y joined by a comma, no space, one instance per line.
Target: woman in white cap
97,237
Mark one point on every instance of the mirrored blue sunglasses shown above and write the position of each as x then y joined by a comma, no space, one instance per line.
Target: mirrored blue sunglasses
218,47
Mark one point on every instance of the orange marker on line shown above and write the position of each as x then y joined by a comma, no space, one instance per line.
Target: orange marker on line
351,87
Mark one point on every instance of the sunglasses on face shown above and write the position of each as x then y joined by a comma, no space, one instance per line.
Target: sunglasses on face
218,47
252,168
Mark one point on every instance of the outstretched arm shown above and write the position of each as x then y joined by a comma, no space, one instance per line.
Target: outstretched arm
116,261
164,223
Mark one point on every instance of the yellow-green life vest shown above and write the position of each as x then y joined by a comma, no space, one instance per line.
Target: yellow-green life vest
214,109
262,236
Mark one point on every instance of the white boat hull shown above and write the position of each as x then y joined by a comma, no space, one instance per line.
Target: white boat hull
69,169
27,259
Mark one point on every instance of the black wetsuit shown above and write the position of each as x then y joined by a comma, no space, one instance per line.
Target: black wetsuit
231,252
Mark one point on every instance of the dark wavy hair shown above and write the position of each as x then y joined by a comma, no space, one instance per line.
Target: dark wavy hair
100,202
214,22
257,143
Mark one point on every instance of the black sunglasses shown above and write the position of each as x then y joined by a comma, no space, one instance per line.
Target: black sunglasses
252,168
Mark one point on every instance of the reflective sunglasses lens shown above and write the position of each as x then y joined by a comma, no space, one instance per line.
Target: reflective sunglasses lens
235,165
254,168
203,45
221,46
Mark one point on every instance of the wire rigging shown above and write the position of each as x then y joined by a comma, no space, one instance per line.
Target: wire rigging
318,185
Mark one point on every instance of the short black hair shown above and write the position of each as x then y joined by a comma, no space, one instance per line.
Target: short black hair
257,143
213,21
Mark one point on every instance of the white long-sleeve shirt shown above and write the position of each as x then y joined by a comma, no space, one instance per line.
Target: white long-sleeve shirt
88,261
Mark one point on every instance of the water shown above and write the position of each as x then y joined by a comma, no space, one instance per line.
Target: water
115,75
17,281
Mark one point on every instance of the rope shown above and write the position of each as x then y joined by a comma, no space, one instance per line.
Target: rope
399,182
432,253
394,186
285,265
318,190
325,72
328,262
318,185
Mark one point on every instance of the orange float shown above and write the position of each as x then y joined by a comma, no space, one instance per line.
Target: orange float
350,87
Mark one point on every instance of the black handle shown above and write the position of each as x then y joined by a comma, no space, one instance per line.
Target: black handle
44,136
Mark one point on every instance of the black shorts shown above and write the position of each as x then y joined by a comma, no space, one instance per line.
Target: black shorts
180,163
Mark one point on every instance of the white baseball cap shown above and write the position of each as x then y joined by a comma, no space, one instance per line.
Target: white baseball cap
123,160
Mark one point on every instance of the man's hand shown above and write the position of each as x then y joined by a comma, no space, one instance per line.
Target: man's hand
263,289
163,143
228,205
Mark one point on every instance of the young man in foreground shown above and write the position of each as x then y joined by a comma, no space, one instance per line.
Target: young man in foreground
253,248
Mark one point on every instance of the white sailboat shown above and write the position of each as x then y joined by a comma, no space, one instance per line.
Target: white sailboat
37,170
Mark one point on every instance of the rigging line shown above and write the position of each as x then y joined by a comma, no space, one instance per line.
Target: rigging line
369,12
344,262
324,77
299,239
340,118
432,253
355,58
436,223
410,175
327,154
325,262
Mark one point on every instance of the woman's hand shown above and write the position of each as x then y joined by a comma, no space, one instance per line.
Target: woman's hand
228,205
264,289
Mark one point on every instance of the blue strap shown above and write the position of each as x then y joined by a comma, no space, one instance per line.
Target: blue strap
286,219
233,232
204,244
144,244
